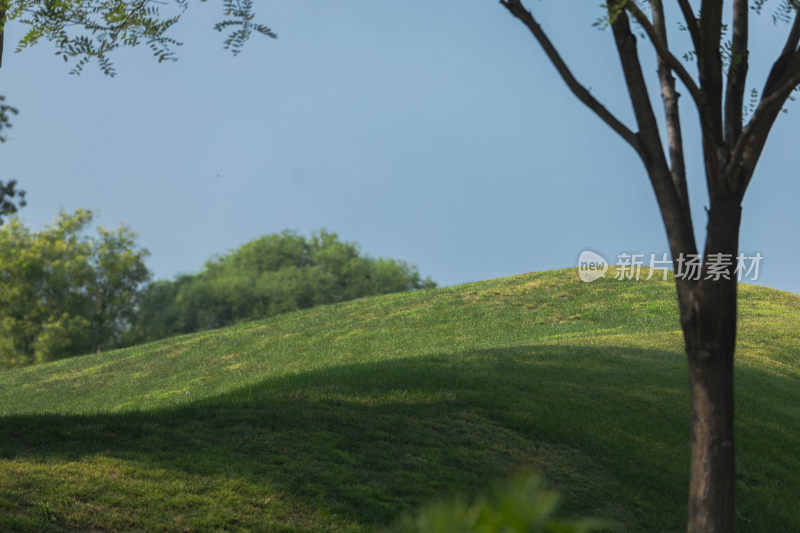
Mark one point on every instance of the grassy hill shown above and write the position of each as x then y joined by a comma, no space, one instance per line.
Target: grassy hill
344,417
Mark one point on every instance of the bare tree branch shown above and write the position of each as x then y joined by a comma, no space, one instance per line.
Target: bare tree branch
519,11
706,34
788,54
709,62
737,73
709,66
660,44
783,78
671,109
748,148
674,211
794,36
691,22
637,88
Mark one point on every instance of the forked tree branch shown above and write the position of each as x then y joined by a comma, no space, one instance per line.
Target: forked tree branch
788,54
674,211
519,11
660,44
634,80
783,78
737,73
647,141
748,148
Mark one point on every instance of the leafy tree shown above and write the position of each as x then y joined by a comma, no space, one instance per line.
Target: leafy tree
267,276
118,272
64,293
732,144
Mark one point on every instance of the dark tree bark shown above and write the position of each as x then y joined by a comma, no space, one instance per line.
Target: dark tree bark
707,303
708,318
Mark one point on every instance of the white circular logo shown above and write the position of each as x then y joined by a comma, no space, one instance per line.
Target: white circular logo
591,266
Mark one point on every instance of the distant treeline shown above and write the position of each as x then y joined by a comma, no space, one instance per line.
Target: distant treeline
64,292
267,276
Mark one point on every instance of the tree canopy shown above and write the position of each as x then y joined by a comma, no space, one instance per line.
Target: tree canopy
272,274
64,292
67,292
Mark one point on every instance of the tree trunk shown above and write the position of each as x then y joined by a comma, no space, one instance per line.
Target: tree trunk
708,319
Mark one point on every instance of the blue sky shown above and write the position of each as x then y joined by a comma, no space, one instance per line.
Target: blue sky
434,132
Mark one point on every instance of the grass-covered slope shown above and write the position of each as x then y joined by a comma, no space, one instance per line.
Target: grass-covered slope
344,417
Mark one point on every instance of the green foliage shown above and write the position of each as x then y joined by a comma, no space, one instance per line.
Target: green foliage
239,18
11,198
524,506
267,276
784,11
83,30
63,293
5,117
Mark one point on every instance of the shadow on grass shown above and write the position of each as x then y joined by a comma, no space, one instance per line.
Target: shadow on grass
361,444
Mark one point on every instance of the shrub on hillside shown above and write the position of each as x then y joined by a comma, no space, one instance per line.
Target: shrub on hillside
270,275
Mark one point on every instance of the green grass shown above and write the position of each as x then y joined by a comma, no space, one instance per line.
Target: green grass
345,417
